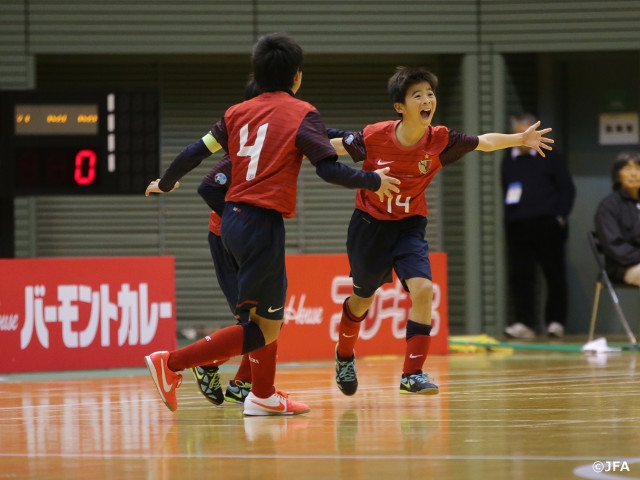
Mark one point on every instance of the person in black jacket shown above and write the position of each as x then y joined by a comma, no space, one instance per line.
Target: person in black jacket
538,197
617,221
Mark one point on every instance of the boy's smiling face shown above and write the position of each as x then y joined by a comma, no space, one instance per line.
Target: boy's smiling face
419,104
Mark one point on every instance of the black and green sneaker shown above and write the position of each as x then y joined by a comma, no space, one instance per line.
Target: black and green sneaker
237,391
418,383
346,374
208,379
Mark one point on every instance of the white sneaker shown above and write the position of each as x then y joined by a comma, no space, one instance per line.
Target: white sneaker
555,329
520,330
277,404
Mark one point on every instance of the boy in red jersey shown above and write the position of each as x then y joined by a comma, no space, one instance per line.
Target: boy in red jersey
213,189
266,138
386,234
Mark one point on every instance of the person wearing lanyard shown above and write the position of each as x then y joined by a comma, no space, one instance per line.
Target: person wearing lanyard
538,197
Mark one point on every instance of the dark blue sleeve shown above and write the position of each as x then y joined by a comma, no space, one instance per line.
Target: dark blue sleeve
312,139
338,173
337,133
326,161
220,133
186,161
215,184
213,196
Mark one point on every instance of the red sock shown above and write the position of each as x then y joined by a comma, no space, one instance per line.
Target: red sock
263,370
243,375
416,354
348,331
222,344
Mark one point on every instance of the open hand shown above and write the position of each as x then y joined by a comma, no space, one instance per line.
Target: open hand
387,184
534,138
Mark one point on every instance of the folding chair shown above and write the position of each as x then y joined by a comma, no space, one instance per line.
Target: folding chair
603,279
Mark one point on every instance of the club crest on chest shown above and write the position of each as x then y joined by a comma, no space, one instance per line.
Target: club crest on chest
424,165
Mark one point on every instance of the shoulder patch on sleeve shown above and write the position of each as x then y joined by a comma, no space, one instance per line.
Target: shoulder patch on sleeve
220,178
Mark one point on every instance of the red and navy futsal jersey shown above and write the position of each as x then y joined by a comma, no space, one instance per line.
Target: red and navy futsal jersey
415,166
266,138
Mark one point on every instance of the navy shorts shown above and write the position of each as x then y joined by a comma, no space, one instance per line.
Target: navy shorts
376,247
254,238
225,270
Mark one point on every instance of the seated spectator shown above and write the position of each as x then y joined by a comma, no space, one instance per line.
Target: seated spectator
617,221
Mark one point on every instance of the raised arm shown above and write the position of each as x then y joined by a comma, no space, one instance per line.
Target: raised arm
387,185
531,137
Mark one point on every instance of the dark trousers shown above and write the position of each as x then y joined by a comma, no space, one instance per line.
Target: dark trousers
532,242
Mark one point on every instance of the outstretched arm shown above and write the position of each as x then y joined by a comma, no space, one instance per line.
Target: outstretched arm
388,185
531,137
378,181
187,160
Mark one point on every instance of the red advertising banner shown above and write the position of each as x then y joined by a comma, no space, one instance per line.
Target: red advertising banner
319,284
85,313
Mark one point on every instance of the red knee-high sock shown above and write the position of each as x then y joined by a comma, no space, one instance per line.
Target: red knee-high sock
243,375
263,370
348,331
222,344
416,353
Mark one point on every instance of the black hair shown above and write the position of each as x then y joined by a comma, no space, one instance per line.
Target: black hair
405,77
276,58
621,161
251,89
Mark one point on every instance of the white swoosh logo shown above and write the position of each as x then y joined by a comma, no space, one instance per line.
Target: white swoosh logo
347,336
414,356
166,386
271,309
380,162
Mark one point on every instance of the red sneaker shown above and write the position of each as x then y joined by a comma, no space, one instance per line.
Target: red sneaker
167,381
276,404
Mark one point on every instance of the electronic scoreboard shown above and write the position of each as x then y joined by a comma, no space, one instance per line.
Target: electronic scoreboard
65,142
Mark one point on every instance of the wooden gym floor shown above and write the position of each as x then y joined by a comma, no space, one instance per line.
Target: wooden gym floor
519,415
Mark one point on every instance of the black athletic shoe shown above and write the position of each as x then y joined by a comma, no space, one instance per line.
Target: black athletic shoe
237,391
346,374
418,383
208,379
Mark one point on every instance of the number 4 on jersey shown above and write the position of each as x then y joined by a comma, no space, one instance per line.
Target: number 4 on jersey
254,150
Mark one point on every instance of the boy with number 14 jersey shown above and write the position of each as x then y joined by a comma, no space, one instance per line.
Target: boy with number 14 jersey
388,233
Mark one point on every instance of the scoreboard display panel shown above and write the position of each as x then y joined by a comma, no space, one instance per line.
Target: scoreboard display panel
98,141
